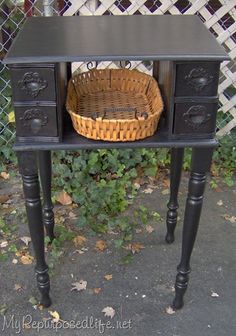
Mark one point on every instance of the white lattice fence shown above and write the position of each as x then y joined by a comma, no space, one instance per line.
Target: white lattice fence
219,17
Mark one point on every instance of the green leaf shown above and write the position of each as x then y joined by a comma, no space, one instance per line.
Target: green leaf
3,256
118,243
33,301
127,259
151,171
156,216
12,248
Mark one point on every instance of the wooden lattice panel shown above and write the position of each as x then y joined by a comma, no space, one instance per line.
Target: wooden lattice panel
219,16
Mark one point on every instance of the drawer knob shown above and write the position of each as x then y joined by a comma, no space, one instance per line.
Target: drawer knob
32,83
196,116
36,125
198,78
34,119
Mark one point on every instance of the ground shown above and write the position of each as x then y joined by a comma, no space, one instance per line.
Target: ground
140,291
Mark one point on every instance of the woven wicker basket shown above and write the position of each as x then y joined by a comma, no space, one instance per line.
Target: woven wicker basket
114,104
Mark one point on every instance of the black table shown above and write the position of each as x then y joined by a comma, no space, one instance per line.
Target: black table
186,60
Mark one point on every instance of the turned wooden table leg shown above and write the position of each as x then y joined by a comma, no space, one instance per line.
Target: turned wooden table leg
45,171
29,171
177,155
201,161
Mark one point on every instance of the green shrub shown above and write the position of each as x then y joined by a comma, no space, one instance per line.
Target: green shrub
101,181
224,159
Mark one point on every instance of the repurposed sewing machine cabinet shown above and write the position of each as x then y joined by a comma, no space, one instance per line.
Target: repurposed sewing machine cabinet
186,61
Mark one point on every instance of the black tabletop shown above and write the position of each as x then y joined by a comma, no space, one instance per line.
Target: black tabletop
86,38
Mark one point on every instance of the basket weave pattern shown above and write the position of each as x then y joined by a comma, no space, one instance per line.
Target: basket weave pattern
114,104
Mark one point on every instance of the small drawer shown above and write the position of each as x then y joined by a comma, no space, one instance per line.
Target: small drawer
197,79
36,121
195,118
33,84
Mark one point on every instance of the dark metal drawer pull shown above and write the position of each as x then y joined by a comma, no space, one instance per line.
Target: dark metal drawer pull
198,78
32,83
34,119
196,116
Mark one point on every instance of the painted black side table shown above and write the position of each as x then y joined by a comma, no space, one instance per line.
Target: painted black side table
186,60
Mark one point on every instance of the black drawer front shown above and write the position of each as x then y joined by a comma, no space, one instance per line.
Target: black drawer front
33,84
195,118
36,121
197,79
